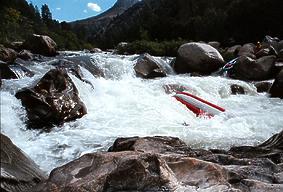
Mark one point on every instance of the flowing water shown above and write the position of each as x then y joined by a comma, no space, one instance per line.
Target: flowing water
121,105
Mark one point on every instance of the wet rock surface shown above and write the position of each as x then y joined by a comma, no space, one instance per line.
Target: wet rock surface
14,71
147,67
87,63
52,101
198,57
237,89
263,86
18,172
168,164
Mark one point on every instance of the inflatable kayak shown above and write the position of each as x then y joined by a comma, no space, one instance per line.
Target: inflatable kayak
197,105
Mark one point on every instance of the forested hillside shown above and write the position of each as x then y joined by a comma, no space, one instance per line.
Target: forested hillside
19,19
226,21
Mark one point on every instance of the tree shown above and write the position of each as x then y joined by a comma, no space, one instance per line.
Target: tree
46,15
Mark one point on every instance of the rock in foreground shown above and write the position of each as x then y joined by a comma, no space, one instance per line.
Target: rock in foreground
198,57
168,164
52,101
18,172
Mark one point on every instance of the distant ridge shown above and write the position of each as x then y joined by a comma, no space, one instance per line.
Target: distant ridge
93,24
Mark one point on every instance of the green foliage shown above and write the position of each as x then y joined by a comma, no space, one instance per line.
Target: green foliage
18,19
164,48
199,20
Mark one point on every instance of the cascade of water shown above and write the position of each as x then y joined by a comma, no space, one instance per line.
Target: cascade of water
122,105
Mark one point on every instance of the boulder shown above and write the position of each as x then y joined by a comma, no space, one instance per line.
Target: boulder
197,57
174,88
273,42
52,101
263,86
237,89
25,55
87,63
18,172
156,144
215,168
214,44
71,67
232,52
263,52
7,55
14,71
121,171
168,164
147,67
276,89
250,69
247,50
95,50
41,44
280,55
16,45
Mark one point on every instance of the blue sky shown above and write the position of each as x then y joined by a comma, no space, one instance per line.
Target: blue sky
71,10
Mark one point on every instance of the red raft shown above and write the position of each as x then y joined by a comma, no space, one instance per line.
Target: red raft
198,105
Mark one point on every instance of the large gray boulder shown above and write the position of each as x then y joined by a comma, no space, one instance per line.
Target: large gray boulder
41,44
197,57
18,172
247,68
276,89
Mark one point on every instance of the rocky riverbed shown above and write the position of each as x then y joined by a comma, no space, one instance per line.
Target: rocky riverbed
109,122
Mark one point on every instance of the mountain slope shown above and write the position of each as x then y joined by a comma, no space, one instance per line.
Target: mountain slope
238,21
87,27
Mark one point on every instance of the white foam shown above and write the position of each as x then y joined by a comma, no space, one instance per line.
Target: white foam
122,105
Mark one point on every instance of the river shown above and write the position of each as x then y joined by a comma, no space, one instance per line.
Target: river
122,105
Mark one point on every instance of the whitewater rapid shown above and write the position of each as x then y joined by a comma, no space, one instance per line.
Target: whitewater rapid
122,105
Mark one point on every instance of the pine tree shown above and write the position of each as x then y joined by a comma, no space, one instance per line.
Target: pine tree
46,15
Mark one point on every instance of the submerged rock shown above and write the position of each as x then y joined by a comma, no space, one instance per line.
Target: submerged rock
87,63
52,101
41,44
147,67
237,89
174,88
14,71
197,57
263,86
276,89
18,172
